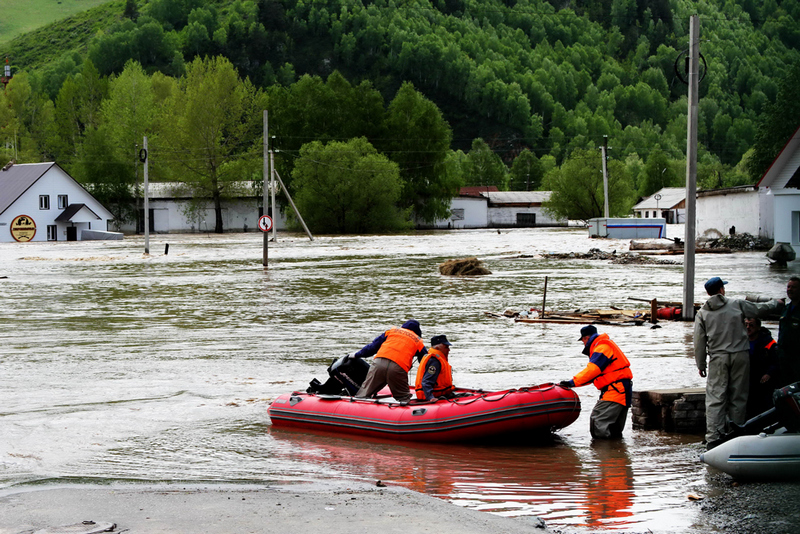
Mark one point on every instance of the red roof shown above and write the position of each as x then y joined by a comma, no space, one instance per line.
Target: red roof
476,190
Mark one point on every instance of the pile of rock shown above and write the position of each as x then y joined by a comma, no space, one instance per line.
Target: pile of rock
738,242
623,258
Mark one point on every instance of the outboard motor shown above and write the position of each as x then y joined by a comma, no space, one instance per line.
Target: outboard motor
787,405
345,377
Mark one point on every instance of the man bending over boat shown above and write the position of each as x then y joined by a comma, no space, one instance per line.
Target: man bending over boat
435,376
610,371
394,352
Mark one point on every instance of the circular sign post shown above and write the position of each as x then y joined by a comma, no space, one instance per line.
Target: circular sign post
23,228
265,223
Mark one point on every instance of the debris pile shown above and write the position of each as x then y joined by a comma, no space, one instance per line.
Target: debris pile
739,242
623,258
463,267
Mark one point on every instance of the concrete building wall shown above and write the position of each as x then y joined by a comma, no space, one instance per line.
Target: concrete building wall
465,212
716,214
512,217
787,217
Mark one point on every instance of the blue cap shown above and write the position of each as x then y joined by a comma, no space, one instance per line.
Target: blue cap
587,331
440,340
714,285
413,325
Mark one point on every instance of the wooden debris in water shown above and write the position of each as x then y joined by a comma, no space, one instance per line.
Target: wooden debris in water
463,267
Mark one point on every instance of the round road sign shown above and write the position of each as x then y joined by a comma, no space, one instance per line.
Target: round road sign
265,223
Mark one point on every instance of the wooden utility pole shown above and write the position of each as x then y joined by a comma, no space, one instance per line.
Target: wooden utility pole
605,175
266,187
691,169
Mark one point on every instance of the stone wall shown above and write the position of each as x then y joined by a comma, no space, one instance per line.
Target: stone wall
672,410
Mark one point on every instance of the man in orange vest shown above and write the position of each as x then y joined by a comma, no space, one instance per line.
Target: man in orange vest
434,375
394,352
610,371
763,367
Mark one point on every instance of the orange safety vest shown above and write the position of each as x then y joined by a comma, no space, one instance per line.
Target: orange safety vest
444,382
607,380
400,346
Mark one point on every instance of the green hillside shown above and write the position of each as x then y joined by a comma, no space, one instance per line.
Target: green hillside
541,80
24,16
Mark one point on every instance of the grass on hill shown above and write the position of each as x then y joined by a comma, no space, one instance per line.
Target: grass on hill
23,16
49,42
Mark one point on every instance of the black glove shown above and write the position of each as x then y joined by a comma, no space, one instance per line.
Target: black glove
566,384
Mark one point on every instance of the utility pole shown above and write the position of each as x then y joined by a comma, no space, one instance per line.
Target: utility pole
604,149
145,159
691,169
266,186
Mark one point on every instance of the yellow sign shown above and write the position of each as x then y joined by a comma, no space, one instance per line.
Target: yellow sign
23,228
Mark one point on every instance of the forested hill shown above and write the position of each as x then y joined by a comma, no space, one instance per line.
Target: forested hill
550,76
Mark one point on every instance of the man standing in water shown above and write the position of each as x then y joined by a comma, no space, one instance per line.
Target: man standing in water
789,335
720,337
610,371
394,352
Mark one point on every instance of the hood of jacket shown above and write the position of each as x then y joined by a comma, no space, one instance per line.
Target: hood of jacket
715,302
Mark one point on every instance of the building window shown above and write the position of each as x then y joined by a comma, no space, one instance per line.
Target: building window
655,214
44,202
62,202
458,214
526,219
52,232
647,215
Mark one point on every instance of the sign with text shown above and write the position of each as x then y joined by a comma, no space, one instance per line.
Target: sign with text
23,228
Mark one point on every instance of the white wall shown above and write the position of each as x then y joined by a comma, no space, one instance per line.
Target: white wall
466,212
504,217
54,182
787,217
717,213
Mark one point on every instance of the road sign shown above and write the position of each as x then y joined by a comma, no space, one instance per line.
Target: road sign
265,223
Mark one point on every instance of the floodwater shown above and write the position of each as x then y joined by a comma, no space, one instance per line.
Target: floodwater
116,366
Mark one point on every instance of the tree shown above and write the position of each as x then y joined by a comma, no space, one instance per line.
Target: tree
212,120
776,125
418,140
658,173
484,167
578,187
526,172
347,187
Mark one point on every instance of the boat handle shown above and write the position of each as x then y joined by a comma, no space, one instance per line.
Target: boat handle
419,411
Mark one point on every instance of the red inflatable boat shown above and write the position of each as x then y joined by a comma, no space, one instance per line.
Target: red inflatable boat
472,415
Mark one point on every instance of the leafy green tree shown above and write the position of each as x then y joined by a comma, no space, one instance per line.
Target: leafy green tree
212,120
417,138
347,187
578,191
777,125
484,167
526,172
658,173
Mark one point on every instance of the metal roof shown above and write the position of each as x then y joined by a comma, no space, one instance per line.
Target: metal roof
670,197
73,210
517,197
18,178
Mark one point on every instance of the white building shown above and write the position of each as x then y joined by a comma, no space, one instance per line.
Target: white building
169,206
41,202
486,207
669,203
781,192
769,209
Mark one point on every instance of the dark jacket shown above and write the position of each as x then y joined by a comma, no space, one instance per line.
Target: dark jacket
763,361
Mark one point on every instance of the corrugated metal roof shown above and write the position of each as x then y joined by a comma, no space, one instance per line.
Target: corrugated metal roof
17,179
517,197
670,197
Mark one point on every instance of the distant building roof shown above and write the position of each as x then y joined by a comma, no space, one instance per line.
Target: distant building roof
670,198
476,190
517,198
17,178
775,177
73,209
727,191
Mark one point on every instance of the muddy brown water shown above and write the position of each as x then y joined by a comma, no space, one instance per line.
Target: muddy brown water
116,366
